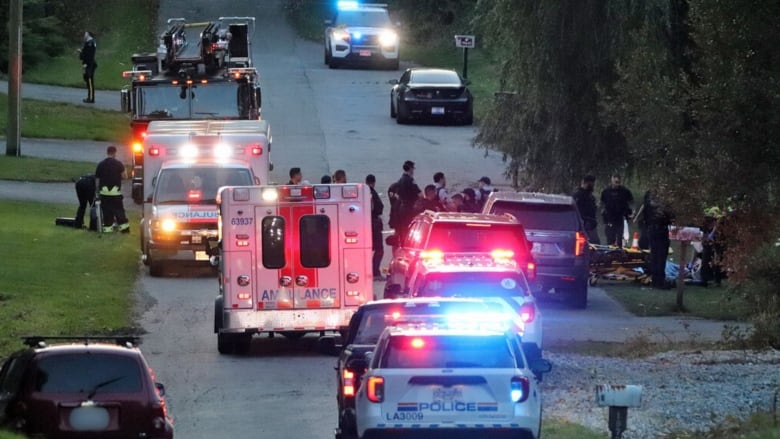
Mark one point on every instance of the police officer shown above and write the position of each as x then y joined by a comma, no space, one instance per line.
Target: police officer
377,207
408,194
87,57
616,203
85,191
657,217
109,174
586,204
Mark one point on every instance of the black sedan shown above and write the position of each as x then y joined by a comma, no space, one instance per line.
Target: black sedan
426,93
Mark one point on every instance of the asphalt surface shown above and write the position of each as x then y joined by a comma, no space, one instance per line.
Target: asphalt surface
322,120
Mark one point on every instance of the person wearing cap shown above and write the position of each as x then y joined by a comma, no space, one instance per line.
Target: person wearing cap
377,207
109,174
586,204
87,57
484,190
440,183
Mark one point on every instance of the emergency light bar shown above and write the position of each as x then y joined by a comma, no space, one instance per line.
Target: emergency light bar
238,71
137,74
486,321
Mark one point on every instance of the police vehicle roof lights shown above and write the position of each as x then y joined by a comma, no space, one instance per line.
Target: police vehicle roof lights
137,74
470,321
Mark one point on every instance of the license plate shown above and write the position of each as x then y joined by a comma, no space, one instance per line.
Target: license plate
447,394
437,110
201,256
543,248
365,53
196,239
89,419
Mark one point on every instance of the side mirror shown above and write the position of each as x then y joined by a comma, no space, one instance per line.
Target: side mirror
358,363
160,389
393,81
393,291
124,96
539,366
327,345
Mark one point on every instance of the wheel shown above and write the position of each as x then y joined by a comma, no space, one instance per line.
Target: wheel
332,63
392,64
156,268
327,57
579,296
392,107
225,344
242,342
218,314
293,335
402,115
347,426
469,119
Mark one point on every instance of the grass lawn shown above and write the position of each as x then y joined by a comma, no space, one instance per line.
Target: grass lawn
8,435
714,303
46,170
560,429
62,281
52,120
122,28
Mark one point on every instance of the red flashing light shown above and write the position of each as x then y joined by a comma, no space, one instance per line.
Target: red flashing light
244,296
349,382
530,271
138,148
204,81
396,315
242,243
502,254
350,241
579,244
194,195
154,151
375,389
527,313
256,149
433,255
417,343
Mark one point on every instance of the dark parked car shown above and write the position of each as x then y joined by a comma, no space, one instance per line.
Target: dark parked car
85,389
365,327
431,94
558,241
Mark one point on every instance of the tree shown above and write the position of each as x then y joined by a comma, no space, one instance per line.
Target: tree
42,33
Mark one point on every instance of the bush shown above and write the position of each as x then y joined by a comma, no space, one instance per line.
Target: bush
761,289
42,35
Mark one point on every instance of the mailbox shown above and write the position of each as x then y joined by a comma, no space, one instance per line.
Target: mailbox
618,396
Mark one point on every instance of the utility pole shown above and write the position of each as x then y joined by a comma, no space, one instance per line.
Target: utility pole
14,130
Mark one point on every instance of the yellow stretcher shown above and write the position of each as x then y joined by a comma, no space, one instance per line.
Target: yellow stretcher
616,263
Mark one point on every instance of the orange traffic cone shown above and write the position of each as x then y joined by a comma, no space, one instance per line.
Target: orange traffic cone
635,241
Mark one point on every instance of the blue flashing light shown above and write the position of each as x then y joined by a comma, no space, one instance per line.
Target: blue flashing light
357,36
346,4
516,394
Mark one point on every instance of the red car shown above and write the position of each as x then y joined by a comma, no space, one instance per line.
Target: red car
88,389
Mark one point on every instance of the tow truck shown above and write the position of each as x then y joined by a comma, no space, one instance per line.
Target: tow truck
200,70
186,163
292,259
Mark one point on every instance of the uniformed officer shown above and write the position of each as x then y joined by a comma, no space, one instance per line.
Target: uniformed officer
109,174
85,191
377,207
87,57
657,217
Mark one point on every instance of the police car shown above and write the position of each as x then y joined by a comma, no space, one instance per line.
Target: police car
450,381
361,33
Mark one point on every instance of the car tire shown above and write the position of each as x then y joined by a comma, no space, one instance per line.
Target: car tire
226,344
392,107
347,427
393,64
469,119
243,344
578,298
156,268
327,57
332,63
402,115
293,335
218,314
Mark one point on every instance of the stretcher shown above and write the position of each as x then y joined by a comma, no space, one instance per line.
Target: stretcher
616,263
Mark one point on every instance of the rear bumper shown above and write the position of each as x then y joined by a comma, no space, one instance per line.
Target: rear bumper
424,109
563,277
251,321
368,54
460,432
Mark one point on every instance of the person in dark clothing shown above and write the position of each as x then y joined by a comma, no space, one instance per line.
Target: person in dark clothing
712,247
429,202
408,194
470,203
586,204
295,176
87,57
616,208
326,179
657,218
109,175
85,191
340,176
377,207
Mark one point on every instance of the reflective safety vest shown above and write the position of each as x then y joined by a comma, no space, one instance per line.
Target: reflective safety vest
114,191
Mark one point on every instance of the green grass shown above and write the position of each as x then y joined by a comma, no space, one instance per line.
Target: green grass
122,28
8,435
758,426
560,429
42,170
58,280
714,303
50,120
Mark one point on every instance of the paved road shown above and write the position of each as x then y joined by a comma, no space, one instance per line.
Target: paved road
322,120
104,99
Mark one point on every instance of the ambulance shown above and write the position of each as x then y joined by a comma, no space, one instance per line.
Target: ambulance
292,260
186,162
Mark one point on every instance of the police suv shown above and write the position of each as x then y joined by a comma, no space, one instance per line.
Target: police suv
453,380
361,33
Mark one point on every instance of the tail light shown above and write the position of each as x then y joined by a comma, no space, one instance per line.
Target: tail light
579,244
519,389
432,256
257,150
138,148
418,343
530,271
527,313
348,377
375,389
502,254
154,151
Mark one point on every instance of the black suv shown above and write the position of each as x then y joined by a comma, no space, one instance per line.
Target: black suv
559,244
365,327
437,234
84,389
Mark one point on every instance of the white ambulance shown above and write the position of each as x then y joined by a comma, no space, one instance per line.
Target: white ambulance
293,259
186,162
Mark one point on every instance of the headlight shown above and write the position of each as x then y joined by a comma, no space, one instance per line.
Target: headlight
388,38
270,194
341,35
222,151
168,225
188,151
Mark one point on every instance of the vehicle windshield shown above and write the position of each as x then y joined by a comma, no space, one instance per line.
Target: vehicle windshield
434,77
375,320
536,216
359,18
197,185
478,237
448,351
212,101
470,284
88,373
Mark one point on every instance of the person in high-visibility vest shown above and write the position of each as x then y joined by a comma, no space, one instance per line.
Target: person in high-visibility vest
109,174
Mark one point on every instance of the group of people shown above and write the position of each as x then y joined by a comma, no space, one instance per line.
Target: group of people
107,183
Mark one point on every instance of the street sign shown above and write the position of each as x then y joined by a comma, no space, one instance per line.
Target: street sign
465,41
